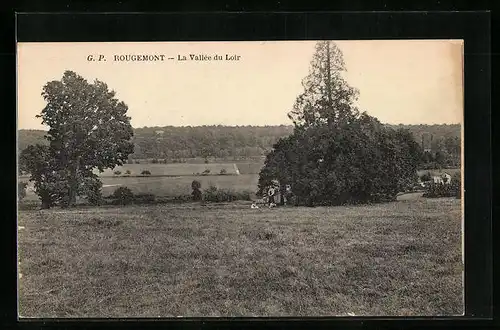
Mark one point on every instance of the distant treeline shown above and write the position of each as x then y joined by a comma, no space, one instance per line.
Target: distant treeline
226,142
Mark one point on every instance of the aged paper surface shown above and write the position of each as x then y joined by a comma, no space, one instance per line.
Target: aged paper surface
283,178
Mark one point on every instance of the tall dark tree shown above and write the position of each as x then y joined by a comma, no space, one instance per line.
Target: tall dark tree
88,129
327,97
337,155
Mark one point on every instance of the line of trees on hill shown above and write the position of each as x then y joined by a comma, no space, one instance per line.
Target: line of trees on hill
236,142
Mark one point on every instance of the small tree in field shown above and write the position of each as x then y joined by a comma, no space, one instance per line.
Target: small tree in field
196,186
88,129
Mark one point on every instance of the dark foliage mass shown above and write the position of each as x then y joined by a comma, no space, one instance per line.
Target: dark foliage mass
214,194
356,162
123,196
196,186
337,155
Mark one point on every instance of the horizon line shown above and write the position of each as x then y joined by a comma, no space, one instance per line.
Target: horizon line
250,125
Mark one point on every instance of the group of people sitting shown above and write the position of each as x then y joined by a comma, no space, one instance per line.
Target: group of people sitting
270,198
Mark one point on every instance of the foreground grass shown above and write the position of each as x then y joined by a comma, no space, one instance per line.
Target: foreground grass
402,258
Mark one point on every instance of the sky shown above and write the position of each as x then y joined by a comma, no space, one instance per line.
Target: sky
400,81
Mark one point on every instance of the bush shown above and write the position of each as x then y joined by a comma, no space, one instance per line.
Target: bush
456,183
435,190
117,172
144,198
426,177
21,190
90,189
243,196
205,172
145,172
123,196
182,199
213,194
196,186
128,172
137,162
155,161
333,173
223,171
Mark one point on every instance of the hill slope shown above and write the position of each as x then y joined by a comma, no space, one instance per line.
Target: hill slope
231,141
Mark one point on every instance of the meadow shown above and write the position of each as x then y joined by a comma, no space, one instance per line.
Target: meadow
179,185
174,179
399,258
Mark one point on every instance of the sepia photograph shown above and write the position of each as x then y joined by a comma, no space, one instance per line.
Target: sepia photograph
240,179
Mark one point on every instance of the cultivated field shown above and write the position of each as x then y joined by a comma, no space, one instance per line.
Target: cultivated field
172,169
180,185
401,258
174,179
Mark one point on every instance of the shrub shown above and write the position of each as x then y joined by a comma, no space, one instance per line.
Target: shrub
182,199
205,172
223,171
91,190
243,196
456,183
426,177
137,161
21,190
144,198
123,196
174,161
117,172
128,172
196,186
213,194
145,172
155,161
206,161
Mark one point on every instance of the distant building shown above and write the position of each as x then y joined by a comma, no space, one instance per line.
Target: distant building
442,178
437,176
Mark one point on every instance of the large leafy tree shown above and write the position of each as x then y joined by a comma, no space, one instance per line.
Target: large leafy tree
88,129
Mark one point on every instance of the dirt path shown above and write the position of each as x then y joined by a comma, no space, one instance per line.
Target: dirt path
236,170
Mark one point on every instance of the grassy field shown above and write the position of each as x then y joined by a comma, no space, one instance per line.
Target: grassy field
401,258
169,186
181,185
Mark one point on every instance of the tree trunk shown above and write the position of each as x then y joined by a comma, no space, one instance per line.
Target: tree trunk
73,183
